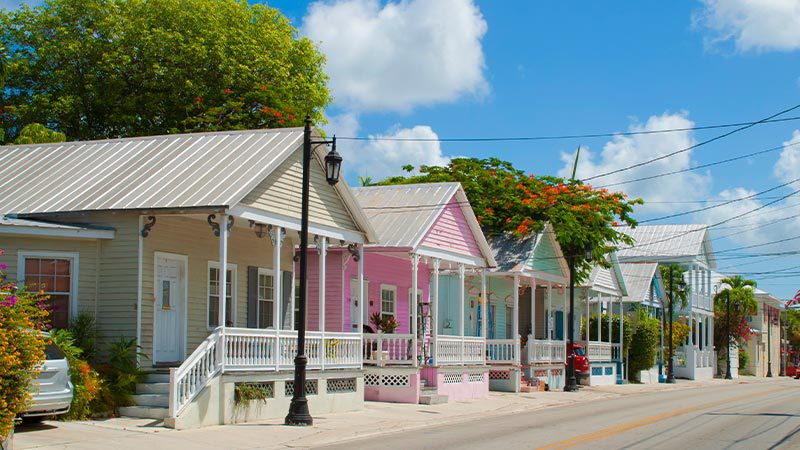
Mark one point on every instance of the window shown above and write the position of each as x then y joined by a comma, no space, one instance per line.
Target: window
55,275
296,303
213,295
388,300
266,300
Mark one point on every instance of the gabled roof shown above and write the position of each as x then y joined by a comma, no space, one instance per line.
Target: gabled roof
607,280
667,243
638,279
401,215
171,172
515,254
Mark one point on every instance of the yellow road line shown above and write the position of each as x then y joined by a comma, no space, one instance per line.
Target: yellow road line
619,429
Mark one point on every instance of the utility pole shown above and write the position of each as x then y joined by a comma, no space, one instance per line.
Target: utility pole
670,371
769,341
728,336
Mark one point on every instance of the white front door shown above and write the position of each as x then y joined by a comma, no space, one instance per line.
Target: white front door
355,303
170,309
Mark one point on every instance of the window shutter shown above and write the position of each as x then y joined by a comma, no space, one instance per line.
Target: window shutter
286,297
252,297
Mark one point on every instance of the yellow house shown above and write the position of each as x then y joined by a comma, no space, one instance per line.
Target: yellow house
137,233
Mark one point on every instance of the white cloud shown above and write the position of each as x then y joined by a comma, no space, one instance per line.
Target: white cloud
753,24
624,151
379,159
402,54
11,5
787,168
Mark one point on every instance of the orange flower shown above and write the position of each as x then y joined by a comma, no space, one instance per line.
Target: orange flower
522,229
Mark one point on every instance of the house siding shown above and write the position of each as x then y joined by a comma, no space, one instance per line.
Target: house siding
191,236
451,232
281,193
545,259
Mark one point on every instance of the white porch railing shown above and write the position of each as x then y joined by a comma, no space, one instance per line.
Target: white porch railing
388,349
503,351
545,351
679,359
600,351
704,358
457,350
701,300
257,350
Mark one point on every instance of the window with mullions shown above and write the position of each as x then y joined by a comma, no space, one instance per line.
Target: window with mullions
213,297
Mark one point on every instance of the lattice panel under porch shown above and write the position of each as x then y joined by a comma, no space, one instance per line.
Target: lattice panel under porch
312,388
372,379
475,377
453,378
499,375
341,385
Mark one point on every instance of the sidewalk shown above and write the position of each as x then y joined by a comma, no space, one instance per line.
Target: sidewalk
375,419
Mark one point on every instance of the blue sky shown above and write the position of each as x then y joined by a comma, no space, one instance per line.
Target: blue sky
464,68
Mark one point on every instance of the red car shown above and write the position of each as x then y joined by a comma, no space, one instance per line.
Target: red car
581,361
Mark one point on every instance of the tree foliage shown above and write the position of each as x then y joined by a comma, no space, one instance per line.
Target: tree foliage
644,344
506,199
740,292
113,68
36,133
680,297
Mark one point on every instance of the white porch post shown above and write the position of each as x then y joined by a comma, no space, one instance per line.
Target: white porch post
277,291
515,323
549,311
533,310
435,308
599,317
610,310
413,306
223,267
323,256
362,298
621,326
564,317
485,307
462,305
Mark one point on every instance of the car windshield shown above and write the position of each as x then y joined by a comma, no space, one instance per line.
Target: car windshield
579,351
51,351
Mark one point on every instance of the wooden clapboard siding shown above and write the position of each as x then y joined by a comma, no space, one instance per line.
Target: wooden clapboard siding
281,193
87,250
193,237
451,232
544,258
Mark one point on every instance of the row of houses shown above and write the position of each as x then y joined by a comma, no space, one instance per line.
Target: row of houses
408,301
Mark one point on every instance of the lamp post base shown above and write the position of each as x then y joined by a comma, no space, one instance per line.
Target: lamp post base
298,415
571,385
670,380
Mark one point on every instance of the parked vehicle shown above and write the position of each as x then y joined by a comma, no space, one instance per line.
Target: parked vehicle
52,389
581,361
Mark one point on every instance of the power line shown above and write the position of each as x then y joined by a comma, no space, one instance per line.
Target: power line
691,147
566,136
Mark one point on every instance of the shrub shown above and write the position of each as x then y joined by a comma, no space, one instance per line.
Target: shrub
84,334
86,381
627,330
244,393
121,375
644,345
743,359
680,331
22,313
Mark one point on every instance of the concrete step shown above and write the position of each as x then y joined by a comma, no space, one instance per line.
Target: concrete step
432,399
144,412
157,377
152,388
157,400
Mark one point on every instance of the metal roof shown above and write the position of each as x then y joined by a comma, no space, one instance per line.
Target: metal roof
172,171
667,243
15,226
402,214
638,278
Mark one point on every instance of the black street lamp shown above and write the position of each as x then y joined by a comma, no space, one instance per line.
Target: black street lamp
298,409
769,341
783,340
671,360
572,383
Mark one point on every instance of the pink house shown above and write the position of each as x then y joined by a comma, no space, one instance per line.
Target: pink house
423,230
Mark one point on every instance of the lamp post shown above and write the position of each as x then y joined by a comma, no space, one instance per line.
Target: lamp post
784,338
769,341
298,409
572,383
728,336
671,360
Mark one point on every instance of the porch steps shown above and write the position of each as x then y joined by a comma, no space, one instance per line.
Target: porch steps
151,398
430,396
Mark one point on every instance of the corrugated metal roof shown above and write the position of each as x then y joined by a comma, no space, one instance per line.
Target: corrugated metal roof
510,251
14,222
666,242
638,278
401,214
173,171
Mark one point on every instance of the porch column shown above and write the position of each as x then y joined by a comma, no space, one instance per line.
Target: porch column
549,310
533,309
610,309
486,306
223,268
413,306
362,297
599,317
564,317
277,287
462,304
322,248
515,323
586,291
621,327
435,308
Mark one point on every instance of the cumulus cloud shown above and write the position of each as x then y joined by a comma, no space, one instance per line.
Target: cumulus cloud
379,159
753,25
624,151
788,166
402,54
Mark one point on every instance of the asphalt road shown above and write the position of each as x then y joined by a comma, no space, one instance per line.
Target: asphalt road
736,416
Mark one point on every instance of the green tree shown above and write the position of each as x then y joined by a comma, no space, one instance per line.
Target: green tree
113,68
644,344
740,292
36,133
506,199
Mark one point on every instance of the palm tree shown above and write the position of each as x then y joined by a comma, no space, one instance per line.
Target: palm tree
732,305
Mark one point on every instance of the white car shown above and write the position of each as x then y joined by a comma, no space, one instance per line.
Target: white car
52,389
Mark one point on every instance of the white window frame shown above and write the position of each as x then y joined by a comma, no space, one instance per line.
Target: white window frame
270,273
234,283
74,258
393,289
